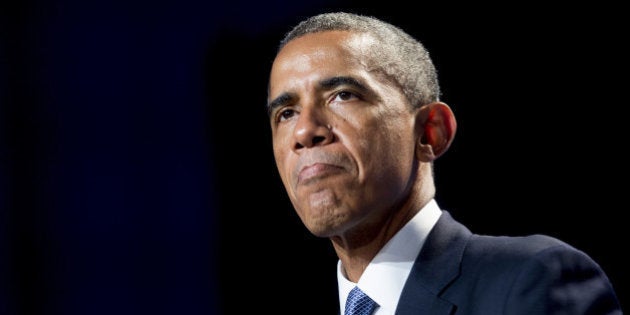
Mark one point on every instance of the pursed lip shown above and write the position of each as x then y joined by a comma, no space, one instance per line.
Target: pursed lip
316,171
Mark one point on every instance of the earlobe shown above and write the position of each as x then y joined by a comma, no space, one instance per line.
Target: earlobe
437,127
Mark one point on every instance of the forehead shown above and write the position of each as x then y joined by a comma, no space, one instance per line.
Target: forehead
321,54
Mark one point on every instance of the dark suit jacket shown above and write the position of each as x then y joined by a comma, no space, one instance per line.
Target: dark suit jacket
458,272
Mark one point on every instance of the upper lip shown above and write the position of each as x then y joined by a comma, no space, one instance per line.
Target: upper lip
314,170
310,165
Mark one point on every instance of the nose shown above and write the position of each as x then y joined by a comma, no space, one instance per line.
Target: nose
312,129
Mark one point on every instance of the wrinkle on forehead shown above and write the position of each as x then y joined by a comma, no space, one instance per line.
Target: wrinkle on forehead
364,46
304,61
374,56
309,53
355,45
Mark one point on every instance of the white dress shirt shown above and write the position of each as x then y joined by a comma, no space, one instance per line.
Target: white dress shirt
385,276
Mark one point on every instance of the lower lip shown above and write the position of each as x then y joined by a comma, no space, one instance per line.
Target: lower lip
316,170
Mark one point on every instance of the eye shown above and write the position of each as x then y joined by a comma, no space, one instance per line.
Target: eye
286,114
345,96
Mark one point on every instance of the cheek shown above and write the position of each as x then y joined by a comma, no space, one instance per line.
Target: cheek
279,157
283,163
389,152
279,142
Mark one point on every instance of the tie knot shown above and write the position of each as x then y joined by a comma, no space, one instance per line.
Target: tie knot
359,303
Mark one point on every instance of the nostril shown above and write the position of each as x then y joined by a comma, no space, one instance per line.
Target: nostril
318,140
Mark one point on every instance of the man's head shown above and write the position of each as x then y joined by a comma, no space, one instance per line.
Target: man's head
356,123
395,53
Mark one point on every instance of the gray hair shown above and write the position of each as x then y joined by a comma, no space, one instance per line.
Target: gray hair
398,55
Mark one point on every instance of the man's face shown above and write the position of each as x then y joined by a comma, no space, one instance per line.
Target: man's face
343,133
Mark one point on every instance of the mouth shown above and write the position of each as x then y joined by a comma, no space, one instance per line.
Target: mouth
314,172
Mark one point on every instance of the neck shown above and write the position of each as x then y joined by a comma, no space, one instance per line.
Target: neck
359,245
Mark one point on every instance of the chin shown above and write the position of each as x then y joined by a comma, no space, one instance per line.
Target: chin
318,229
326,226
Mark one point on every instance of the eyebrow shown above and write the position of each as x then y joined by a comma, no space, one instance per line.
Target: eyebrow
331,83
325,84
284,98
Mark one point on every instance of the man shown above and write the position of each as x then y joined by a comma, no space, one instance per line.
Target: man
356,124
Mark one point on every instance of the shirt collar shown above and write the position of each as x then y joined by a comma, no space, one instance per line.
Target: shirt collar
385,276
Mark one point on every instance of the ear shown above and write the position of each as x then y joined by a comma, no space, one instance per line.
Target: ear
437,126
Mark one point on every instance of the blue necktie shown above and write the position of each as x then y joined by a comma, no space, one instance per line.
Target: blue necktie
359,303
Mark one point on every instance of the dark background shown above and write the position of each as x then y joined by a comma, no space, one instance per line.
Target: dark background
136,171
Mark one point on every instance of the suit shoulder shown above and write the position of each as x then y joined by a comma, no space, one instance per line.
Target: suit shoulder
517,246
533,274
501,256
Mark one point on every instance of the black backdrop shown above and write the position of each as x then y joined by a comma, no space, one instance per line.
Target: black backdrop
136,173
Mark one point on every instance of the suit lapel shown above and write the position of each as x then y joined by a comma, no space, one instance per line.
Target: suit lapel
435,268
